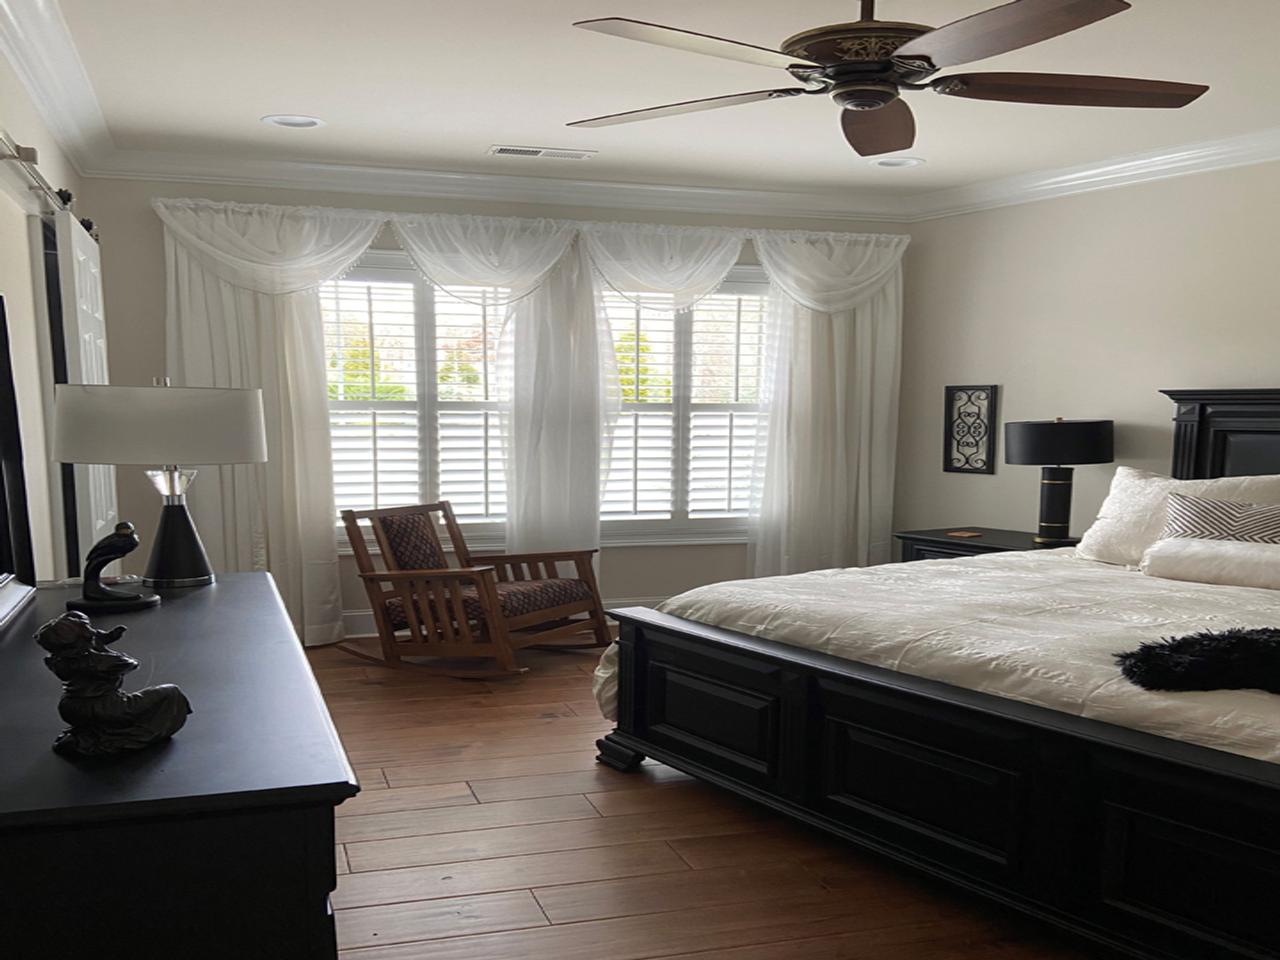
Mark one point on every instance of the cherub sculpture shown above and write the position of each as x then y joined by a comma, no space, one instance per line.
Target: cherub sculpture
103,718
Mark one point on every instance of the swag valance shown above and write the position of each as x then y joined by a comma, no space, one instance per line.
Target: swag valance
244,310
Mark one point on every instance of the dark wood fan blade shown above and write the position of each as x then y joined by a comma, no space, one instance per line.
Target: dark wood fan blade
872,132
1064,88
693,42
688,106
1001,29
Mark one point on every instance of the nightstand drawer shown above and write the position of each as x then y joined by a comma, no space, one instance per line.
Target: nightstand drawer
943,544
928,551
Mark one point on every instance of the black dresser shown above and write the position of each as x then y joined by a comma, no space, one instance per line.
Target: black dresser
217,844
940,545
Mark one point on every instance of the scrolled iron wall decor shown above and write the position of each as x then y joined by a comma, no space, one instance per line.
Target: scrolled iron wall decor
969,444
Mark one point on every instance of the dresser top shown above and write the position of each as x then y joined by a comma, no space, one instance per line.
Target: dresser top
259,733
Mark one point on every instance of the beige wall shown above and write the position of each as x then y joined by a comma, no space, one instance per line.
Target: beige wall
1085,307
18,118
133,272
1079,307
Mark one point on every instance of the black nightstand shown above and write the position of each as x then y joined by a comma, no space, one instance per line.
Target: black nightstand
936,545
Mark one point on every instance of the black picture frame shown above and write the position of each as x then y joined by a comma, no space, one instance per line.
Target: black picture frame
17,559
970,419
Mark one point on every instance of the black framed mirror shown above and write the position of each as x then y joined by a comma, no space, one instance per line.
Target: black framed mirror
17,560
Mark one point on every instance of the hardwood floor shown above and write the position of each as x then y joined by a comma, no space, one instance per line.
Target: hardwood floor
486,831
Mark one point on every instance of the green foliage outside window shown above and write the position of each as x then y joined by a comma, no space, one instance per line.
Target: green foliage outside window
352,379
641,381
457,379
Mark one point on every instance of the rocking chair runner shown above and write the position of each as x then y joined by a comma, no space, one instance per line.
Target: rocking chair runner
488,607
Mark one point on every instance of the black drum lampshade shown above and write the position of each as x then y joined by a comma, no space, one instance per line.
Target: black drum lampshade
1059,442
1053,445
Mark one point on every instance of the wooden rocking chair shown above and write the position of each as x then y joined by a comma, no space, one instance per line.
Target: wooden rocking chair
488,607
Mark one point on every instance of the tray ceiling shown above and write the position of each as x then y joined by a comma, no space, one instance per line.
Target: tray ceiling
432,85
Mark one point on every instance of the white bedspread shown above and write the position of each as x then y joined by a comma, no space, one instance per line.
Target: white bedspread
1039,627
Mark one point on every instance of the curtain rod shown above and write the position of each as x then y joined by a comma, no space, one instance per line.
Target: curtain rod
391,216
25,158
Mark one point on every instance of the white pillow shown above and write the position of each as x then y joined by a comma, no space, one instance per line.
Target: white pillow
1232,563
1133,515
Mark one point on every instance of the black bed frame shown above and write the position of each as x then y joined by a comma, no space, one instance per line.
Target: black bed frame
1154,847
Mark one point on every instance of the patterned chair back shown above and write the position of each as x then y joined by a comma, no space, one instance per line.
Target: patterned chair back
408,537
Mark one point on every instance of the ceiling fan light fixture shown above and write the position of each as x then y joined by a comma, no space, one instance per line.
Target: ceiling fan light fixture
897,163
864,94
292,121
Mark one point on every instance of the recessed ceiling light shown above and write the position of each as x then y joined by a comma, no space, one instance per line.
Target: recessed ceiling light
895,163
292,121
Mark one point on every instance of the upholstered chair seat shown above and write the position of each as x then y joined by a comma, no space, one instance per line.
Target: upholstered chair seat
516,598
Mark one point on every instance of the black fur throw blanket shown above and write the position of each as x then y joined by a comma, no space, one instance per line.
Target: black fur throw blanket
1235,659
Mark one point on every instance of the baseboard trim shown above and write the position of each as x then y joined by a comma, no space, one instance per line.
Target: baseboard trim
359,623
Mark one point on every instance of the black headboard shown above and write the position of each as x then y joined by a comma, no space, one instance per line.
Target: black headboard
1225,433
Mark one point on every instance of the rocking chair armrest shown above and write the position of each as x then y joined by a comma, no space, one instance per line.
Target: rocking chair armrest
553,556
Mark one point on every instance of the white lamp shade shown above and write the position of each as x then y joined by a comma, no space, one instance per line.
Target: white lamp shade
157,426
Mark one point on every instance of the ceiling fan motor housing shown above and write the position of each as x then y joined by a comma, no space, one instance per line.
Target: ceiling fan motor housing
857,59
870,42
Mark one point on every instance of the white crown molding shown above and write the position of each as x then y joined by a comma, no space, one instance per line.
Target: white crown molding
35,39
406,182
1262,146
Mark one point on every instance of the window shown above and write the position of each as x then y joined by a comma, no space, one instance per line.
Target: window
413,393
415,401
374,385
685,445
464,328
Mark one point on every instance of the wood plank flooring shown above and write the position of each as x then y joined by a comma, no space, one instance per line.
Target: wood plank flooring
486,831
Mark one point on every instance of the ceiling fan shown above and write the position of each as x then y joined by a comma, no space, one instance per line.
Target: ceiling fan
865,66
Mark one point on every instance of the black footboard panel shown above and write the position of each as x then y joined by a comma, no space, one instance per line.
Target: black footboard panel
1154,847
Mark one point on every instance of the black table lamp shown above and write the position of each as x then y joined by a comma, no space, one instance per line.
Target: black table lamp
1051,444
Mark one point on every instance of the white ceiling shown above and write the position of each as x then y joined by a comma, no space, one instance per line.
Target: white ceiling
429,85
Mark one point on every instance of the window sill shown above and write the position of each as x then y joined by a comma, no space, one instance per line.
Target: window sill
487,543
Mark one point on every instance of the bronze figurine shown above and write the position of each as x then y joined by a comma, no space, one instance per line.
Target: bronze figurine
95,597
103,718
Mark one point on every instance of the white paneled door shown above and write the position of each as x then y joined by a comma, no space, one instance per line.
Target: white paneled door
85,330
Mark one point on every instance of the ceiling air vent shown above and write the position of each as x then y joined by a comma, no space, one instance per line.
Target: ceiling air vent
548,153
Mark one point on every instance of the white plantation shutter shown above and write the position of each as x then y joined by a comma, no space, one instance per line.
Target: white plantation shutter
373,382
685,445
415,406
725,370
642,460
470,466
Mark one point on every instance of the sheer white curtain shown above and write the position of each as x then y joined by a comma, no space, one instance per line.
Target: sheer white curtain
555,365
687,262
486,251
564,400
836,316
243,310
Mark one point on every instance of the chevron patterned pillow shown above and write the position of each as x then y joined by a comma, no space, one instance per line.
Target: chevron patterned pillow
1196,518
